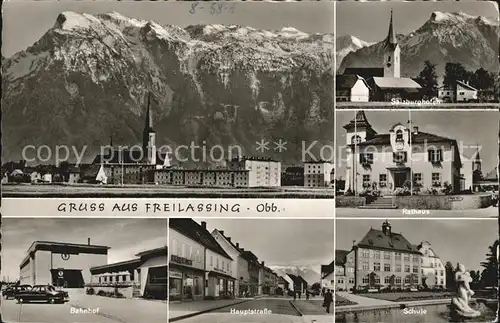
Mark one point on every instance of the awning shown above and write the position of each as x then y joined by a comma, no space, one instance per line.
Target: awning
218,274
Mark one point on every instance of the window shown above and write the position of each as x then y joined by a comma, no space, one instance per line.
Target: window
351,280
366,280
417,177
399,157
407,257
365,254
435,155
355,140
398,280
388,59
211,260
366,181
399,135
377,280
387,279
436,179
366,266
366,158
376,266
398,256
415,259
387,267
398,268
382,179
407,268
158,275
387,255
415,269
376,254
461,93
407,279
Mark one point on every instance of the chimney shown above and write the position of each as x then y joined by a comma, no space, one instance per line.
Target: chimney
238,245
204,225
242,249
228,239
415,130
263,264
88,241
221,231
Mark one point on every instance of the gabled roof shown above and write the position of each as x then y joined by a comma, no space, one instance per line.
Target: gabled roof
347,81
340,257
365,72
376,239
396,83
92,171
465,85
196,232
230,242
249,256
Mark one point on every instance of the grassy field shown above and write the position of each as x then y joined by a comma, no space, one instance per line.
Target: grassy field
408,296
85,190
388,105
341,301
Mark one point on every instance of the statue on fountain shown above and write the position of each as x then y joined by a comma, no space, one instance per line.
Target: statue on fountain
460,303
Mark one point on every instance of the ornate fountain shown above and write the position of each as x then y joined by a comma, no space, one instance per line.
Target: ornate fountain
460,309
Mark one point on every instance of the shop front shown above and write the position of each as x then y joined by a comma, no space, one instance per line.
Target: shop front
219,285
185,283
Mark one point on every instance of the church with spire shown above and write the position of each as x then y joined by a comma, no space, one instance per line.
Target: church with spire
384,82
132,164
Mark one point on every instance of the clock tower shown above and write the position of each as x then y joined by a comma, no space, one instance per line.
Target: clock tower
391,53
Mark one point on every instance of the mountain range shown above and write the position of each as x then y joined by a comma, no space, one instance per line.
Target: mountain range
88,77
308,273
445,37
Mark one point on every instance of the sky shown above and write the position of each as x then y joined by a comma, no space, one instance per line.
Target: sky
469,127
25,22
464,241
125,237
369,21
281,242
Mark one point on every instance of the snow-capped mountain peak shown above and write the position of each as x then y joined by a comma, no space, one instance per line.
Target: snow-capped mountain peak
457,17
347,44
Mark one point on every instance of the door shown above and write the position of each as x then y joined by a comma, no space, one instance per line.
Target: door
399,179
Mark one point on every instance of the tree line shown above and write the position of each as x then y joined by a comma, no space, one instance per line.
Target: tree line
487,84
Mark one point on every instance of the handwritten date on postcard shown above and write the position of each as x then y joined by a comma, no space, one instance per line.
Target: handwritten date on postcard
214,9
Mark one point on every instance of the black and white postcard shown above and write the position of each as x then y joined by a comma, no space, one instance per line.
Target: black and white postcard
259,270
168,99
416,270
84,270
417,54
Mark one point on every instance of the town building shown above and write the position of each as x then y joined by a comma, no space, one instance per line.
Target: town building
253,272
61,264
351,88
318,174
200,177
284,284
344,270
187,261
268,280
144,276
299,283
216,278
263,172
461,91
433,270
384,258
388,161
239,264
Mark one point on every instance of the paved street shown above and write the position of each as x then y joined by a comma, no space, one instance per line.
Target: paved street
490,212
110,310
272,310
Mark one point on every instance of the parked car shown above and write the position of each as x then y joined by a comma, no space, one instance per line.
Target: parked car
42,293
12,290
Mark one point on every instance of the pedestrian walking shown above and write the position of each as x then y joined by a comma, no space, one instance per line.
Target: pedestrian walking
294,295
327,300
307,294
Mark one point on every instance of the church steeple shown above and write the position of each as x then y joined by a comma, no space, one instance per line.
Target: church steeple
391,53
148,136
391,41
